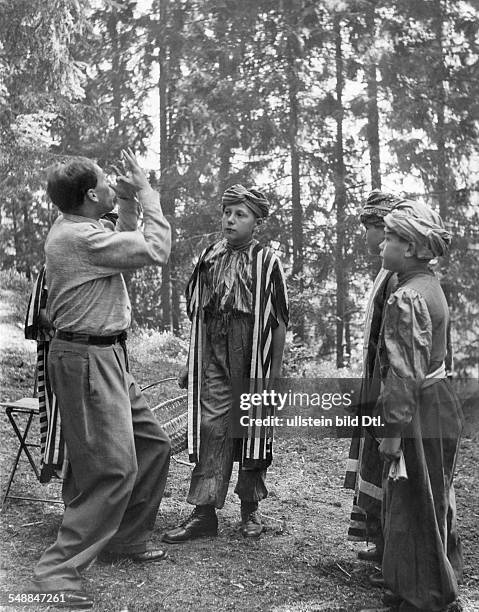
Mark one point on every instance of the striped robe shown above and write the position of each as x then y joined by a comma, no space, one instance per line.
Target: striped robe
269,297
364,466
52,446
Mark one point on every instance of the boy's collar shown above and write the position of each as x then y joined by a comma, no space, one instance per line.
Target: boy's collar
239,247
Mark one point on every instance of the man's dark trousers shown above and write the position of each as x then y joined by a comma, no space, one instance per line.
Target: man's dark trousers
119,458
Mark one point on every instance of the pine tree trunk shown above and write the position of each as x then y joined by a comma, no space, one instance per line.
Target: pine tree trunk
165,192
27,234
340,204
290,14
16,239
372,108
442,165
297,210
115,66
225,72
175,294
443,174
347,338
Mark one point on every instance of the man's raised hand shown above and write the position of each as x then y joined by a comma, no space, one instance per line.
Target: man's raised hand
131,178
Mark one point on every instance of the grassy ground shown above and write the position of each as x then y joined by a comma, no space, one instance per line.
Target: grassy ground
302,563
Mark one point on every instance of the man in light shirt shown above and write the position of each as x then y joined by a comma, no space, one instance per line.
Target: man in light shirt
118,453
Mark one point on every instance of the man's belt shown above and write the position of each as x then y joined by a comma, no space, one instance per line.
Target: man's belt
87,339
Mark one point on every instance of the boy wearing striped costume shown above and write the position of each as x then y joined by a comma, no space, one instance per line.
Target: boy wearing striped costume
364,467
237,304
422,560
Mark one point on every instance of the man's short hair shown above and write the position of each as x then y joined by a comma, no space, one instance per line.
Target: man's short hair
68,183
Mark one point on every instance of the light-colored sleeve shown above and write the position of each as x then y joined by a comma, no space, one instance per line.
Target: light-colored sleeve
125,250
407,339
128,215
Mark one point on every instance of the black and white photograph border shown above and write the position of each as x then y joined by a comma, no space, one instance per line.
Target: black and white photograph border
315,102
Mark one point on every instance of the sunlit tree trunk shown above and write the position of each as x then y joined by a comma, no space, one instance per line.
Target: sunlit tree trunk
372,108
340,204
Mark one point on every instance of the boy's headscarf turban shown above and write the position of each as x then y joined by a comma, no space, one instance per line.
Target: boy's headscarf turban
252,198
416,222
377,206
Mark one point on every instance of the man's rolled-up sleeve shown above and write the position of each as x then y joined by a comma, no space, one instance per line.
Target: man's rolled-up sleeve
128,215
123,250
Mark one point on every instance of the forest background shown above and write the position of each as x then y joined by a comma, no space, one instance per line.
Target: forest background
315,101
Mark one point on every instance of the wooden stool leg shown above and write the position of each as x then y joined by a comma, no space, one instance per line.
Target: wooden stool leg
23,447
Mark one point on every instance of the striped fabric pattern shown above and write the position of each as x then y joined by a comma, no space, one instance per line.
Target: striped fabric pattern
269,297
231,278
52,446
195,314
357,525
382,276
354,460
363,489
37,301
259,440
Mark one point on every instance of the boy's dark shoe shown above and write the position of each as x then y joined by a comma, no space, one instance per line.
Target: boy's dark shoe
146,556
372,554
202,522
251,525
73,600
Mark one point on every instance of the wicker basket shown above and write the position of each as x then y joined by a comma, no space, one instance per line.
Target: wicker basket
172,413
177,426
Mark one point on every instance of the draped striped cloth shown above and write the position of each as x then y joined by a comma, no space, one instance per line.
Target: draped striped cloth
229,282
269,299
52,446
382,277
365,461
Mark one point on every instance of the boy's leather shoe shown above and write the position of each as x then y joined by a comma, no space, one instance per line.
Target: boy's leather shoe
202,522
73,600
146,556
251,524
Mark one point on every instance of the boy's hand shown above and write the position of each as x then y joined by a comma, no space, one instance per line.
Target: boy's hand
390,449
45,325
131,180
183,378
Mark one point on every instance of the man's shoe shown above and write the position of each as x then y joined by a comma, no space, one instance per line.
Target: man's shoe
251,525
74,600
146,556
377,579
371,554
202,522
